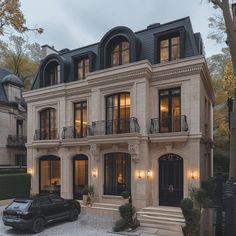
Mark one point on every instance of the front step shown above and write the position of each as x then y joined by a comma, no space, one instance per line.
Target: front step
163,218
102,210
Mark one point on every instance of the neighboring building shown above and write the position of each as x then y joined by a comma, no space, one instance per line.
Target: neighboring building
132,112
12,120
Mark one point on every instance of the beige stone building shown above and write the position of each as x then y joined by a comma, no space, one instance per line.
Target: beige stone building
132,112
12,120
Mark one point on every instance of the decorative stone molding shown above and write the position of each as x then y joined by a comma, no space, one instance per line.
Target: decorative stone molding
134,151
95,151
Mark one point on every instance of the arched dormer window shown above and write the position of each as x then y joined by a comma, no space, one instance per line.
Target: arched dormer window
53,70
118,46
52,73
120,53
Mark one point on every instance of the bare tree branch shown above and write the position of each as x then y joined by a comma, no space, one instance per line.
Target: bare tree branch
217,3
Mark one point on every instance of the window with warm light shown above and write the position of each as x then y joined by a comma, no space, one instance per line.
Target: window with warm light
48,124
80,119
120,54
82,68
50,174
118,113
169,49
169,110
117,175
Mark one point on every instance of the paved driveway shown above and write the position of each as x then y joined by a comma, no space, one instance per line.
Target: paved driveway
84,226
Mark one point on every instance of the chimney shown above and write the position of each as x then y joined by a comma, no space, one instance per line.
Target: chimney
47,50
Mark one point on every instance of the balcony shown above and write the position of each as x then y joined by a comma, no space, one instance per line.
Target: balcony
70,132
46,134
169,129
16,141
116,126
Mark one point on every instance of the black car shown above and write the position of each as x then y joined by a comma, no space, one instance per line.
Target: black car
35,212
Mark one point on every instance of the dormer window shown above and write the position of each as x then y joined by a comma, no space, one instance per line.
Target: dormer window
169,45
120,54
52,73
82,68
169,49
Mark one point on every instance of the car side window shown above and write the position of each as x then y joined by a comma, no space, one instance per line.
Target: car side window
56,199
44,201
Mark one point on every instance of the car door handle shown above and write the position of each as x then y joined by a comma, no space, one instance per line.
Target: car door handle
66,204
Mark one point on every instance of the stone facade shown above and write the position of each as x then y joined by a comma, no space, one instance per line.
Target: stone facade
145,145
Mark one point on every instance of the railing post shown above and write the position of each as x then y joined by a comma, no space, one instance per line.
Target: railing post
219,204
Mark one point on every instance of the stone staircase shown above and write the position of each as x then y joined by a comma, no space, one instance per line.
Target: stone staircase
168,220
101,210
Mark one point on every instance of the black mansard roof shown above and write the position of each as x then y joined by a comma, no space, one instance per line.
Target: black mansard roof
143,45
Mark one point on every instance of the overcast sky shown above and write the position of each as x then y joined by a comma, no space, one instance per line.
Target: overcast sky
76,23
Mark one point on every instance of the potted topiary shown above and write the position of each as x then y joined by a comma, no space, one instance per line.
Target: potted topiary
85,195
90,194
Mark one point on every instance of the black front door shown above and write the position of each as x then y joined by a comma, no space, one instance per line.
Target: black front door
170,180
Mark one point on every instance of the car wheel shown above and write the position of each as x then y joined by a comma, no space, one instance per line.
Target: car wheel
38,225
73,214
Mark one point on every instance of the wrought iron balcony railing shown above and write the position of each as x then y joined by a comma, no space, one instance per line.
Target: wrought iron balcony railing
169,124
46,134
71,132
16,140
116,126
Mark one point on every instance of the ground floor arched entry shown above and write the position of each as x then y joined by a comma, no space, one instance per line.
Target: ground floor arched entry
80,175
49,174
117,173
170,180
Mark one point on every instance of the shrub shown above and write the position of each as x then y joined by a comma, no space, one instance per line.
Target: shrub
125,194
127,221
14,186
192,217
120,225
127,212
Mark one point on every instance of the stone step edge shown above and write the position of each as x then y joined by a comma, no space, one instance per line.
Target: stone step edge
161,227
162,219
166,209
160,214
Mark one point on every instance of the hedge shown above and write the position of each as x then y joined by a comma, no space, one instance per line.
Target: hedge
12,171
14,185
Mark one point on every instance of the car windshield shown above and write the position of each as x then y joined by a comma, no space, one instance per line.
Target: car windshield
19,205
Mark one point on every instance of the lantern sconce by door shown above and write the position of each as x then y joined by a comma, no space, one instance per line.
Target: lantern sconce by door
95,173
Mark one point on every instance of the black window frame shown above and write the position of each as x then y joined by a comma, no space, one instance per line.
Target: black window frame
109,128
79,157
52,132
19,128
168,35
47,73
118,43
110,161
169,96
49,158
82,108
76,58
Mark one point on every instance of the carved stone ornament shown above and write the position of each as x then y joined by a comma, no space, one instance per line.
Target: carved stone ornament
133,149
95,151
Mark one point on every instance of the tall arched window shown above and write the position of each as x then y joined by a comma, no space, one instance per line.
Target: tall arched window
52,74
120,53
118,113
48,124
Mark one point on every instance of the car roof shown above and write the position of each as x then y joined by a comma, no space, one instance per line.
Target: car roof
35,197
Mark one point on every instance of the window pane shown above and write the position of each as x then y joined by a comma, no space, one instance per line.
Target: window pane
125,53
175,52
175,41
164,54
176,114
164,118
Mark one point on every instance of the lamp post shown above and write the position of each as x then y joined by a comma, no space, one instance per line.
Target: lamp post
230,103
